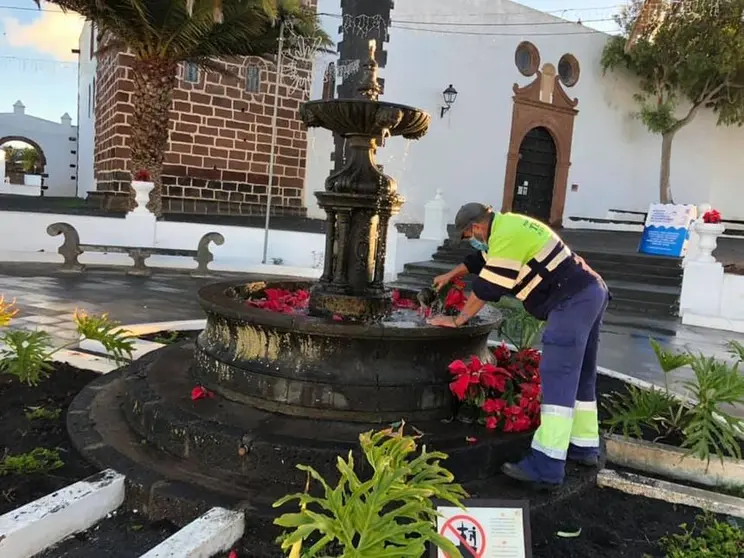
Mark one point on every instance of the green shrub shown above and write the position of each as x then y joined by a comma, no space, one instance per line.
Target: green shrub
705,427
389,514
707,538
28,354
518,327
38,460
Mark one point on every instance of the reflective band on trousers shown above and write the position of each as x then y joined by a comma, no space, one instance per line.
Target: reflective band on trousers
585,431
554,434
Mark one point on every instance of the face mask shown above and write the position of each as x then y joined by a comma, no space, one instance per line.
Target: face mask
479,245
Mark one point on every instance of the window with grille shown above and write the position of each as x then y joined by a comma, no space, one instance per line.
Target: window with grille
252,79
191,73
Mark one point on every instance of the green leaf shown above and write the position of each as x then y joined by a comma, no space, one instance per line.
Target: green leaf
25,354
668,360
118,343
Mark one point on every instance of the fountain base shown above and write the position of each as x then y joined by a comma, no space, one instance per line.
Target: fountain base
182,456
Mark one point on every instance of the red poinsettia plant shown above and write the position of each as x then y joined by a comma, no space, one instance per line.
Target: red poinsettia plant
504,395
282,301
142,175
712,216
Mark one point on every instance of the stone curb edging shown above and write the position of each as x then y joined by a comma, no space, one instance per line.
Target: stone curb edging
670,492
215,531
673,462
28,530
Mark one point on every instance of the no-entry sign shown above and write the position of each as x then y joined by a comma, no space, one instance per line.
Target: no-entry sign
486,529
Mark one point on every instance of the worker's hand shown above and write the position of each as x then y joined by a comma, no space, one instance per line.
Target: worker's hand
442,321
441,280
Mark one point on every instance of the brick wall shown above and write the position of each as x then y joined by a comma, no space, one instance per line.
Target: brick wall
220,141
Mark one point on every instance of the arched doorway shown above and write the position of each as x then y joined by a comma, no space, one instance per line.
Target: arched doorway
23,157
535,176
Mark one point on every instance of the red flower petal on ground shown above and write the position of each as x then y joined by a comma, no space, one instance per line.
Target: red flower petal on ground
200,392
337,318
471,439
232,554
491,423
458,367
493,406
460,386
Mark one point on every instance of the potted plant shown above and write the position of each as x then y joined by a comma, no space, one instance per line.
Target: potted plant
142,186
709,229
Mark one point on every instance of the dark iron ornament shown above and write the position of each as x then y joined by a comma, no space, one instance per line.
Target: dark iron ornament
359,199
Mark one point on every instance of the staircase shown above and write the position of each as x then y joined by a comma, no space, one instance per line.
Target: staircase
641,285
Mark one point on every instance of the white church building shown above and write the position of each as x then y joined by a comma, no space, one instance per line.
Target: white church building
535,125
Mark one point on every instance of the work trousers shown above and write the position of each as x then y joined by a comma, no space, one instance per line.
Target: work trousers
569,425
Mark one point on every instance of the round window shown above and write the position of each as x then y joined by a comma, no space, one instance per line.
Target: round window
568,70
527,59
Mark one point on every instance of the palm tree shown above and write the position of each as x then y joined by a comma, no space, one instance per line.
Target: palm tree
160,34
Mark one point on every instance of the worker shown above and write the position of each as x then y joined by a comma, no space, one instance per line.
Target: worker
521,257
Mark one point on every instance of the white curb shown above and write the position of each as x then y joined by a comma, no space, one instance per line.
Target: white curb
673,462
215,531
86,361
38,525
673,493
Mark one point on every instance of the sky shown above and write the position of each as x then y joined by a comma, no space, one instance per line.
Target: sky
37,65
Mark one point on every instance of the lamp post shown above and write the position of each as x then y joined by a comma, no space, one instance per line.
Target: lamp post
450,95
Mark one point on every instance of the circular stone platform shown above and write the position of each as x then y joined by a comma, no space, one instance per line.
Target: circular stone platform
182,457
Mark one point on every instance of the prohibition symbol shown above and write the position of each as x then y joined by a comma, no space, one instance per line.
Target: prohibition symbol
471,537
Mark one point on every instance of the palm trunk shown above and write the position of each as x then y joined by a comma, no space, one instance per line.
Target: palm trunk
154,82
665,188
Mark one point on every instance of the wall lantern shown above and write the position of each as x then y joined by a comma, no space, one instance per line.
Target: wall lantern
450,95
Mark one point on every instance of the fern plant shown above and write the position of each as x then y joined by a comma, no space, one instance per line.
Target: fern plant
27,355
716,387
391,514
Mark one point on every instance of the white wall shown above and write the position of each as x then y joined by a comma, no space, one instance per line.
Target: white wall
86,112
615,161
54,140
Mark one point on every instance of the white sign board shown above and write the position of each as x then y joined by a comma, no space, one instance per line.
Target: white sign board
667,229
487,529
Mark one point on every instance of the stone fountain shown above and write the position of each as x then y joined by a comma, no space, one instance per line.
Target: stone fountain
300,387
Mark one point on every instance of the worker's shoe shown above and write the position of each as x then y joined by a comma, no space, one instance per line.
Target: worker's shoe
516,472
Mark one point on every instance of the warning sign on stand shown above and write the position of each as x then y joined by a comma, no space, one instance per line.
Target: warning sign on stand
486,529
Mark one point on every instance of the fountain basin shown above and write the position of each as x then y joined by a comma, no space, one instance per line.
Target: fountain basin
313,367
362,117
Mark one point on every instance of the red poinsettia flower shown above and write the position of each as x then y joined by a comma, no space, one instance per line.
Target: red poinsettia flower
493,406
491,423
493,381
232,554
520,423
142,175
530,390
712,216
458,367
402,303
458,284
455,299
460,386
502,353
200,392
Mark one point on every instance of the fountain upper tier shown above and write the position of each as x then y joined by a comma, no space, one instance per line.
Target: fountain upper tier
363,117
367,116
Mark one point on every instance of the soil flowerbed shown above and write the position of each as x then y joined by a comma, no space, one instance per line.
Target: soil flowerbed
22,432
